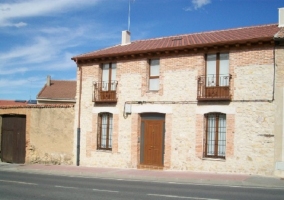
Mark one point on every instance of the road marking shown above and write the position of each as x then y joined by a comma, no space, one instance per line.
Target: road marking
180,197
192,183
59,186
104,190
19,182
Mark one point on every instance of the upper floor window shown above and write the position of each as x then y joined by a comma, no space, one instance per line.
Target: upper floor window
215,83
105,88
105,127
217,70
215,143
109,77
154,74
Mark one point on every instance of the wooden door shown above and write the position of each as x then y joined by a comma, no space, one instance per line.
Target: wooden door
13,148
152,145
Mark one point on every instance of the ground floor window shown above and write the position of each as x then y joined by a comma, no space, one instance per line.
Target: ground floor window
215,142
105,127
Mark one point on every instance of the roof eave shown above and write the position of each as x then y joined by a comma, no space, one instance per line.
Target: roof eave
56,99
252,40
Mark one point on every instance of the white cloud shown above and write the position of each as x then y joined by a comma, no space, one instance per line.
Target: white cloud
52,50
18,25
29,52
31,8
13,83
13,71
21,24
197,4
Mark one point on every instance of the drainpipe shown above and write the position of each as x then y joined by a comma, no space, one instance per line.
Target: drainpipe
79,118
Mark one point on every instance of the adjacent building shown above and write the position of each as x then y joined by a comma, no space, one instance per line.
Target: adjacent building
57,92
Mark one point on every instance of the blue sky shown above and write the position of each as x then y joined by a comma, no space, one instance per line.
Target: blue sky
39,37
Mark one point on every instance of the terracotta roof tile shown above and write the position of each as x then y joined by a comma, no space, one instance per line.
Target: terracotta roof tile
12,103
280,34
58,89
37,106
245,34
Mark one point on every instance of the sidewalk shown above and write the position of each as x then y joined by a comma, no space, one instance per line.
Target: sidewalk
237,180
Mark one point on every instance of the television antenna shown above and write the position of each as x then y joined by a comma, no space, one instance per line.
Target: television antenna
129,3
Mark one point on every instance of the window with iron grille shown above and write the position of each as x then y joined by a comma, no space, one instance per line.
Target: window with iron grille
105,124
215,141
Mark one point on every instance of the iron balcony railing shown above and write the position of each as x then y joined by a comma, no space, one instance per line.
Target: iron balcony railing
214,87
105,91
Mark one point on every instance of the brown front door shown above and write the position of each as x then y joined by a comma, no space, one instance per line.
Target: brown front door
13,147
152,144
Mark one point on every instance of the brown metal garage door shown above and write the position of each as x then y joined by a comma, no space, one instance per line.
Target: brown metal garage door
13,147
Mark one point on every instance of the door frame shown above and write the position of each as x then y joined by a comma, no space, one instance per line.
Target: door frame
18,152
151,117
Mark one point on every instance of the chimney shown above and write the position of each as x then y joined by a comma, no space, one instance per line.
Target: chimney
48,80
125,38
281,17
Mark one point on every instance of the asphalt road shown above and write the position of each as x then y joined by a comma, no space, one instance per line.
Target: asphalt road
21,186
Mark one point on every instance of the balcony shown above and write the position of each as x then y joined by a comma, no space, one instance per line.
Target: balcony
214,88
105,92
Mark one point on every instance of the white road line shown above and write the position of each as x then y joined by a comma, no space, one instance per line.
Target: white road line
59,186
104,190
18,182
186,183
180,197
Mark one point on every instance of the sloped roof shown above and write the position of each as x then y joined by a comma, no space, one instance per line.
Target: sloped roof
58,90
37,106
229,36
279,34
12,103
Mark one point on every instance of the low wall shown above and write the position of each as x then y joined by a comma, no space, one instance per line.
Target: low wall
49,132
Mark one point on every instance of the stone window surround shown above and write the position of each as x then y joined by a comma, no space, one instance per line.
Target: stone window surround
91,136
200,130
146,78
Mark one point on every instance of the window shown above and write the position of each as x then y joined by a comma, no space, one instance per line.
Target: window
105,124
215,135
109,77
217,70
154,72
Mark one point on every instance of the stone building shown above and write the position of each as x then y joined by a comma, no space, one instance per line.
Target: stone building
210,101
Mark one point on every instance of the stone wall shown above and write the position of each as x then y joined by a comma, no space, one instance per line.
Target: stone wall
49,132
250,114
279,111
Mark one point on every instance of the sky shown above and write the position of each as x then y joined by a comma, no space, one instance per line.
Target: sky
39,37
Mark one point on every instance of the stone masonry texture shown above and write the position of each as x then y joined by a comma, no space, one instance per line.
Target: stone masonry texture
49,134
250,115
